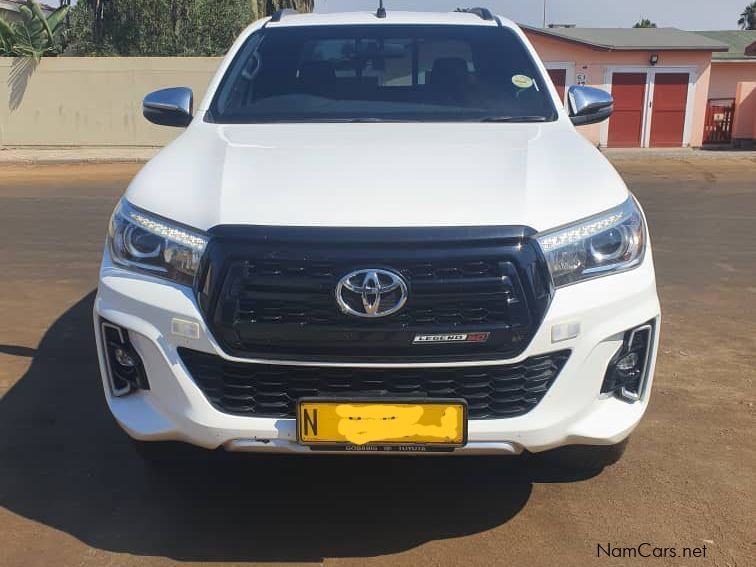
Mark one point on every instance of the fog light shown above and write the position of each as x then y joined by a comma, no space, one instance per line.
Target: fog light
125,370
627,363
124,359
628,370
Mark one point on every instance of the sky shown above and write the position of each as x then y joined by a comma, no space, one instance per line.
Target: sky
683,14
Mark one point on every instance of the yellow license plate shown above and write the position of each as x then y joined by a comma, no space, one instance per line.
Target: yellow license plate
364,423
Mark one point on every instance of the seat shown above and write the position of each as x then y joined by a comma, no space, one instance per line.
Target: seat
449,72
449,79
317,77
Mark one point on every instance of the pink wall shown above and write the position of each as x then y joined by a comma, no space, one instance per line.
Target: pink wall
594,62
726,76
744,123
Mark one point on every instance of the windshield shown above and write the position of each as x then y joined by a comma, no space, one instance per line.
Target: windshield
382,73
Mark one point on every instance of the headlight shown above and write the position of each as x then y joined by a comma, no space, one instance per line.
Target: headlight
607,243
147,243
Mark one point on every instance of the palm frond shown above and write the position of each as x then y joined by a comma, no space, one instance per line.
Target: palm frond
39,18
57,18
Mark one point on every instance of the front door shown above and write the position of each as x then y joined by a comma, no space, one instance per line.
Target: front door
626,123
668,109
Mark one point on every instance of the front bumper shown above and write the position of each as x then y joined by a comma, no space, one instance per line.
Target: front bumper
572,412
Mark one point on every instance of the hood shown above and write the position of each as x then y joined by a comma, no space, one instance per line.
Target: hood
378,175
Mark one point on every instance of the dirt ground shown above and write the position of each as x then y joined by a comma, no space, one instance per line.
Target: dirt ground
72,492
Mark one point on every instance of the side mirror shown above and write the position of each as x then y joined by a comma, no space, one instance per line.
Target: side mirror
588,105
169,107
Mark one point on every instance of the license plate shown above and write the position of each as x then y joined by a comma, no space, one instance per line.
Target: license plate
367,425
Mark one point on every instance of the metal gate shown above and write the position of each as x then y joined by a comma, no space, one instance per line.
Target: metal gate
718,128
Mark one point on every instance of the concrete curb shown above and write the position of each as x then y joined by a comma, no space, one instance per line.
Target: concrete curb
95,155
57,156
647,154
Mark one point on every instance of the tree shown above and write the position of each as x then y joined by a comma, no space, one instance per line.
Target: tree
747,19
165,27
34,35
645,23
267,7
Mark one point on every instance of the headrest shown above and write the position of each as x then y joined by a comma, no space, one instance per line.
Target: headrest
449,71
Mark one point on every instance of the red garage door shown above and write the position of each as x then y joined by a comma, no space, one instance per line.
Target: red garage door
559,78
626,123
668,111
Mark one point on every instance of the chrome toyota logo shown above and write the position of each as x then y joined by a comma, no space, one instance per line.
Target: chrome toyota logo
371,293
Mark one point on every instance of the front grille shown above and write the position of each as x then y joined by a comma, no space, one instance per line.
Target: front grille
270,291
266,390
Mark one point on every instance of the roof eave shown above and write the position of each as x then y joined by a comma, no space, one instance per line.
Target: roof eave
567,39
605,47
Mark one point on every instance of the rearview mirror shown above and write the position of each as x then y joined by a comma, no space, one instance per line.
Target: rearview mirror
169,107
588,105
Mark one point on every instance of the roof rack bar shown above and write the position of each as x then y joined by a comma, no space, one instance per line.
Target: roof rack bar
277,15
482,13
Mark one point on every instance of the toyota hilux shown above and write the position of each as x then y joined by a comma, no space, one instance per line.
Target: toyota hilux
379,233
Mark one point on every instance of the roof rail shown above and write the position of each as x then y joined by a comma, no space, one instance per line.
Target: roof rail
277,15
482,13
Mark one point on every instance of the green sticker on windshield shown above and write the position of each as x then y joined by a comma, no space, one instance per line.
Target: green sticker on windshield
522,81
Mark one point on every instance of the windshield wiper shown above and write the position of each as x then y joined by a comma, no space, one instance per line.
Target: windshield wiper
368,119
341,120
513,119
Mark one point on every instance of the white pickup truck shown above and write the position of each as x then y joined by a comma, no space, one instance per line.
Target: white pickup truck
379,233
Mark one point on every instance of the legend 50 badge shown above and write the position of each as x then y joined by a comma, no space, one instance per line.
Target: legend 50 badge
452,338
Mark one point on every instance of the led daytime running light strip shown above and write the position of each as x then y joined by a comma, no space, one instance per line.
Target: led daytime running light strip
169,232
578,233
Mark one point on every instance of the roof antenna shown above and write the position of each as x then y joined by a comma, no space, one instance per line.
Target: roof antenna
381,13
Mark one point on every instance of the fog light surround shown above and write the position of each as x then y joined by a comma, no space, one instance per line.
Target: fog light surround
124,366
627,372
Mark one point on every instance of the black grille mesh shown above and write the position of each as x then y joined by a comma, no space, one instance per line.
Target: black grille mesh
302,293
265,390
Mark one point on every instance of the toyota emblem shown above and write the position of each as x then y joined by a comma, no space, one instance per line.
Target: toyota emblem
371,293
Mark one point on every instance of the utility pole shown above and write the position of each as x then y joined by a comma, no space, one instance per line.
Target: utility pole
544,14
